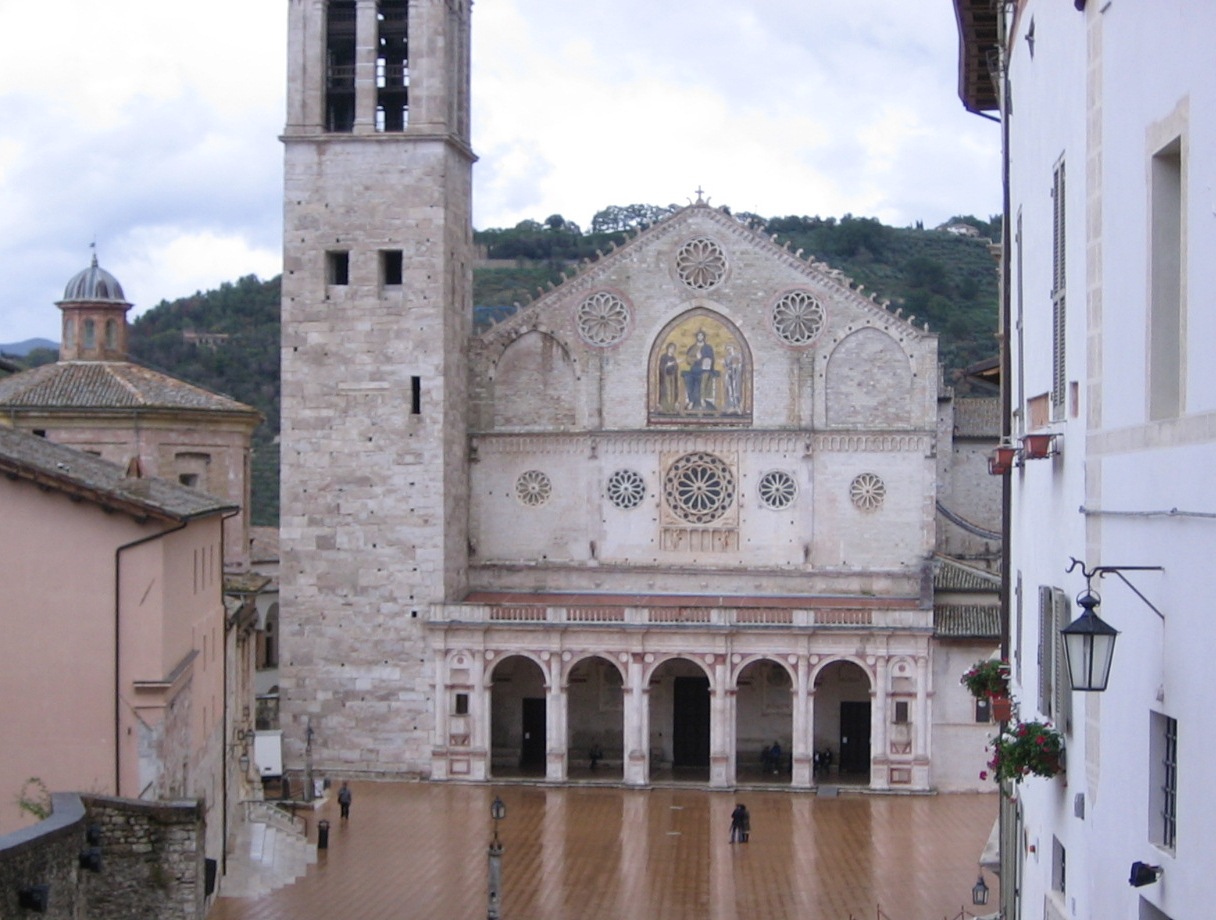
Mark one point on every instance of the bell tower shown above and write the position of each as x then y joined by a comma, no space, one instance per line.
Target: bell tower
376,312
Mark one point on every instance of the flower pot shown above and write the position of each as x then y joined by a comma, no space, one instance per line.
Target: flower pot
1038,446
1002,708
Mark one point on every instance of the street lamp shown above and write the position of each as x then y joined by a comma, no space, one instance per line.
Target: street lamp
498,811
1089,641
979,893
1089,646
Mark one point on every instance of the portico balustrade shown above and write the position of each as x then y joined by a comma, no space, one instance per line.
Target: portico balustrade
841,617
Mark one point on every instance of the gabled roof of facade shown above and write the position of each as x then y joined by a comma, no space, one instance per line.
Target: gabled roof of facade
85,477
98,385
590,274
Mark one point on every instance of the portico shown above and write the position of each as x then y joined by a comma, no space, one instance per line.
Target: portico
659,687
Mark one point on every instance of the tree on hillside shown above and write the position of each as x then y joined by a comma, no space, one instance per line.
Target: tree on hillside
628,217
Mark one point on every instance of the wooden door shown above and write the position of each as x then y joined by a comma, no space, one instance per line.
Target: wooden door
690,723
532,748
855,737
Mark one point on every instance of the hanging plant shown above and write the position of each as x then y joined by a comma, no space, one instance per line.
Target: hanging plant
1026,749
987,678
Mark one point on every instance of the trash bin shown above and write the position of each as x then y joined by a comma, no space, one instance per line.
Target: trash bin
322,835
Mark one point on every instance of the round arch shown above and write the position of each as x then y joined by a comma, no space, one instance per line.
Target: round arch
764,720
517,687
595,718
533,383
843,692
679,700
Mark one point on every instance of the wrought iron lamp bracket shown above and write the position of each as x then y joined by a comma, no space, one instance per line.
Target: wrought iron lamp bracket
1103,570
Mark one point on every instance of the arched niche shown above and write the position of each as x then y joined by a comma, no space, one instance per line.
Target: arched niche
534,384
700,371
869,382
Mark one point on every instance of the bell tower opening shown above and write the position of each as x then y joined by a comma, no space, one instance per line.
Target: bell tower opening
392,66
340,29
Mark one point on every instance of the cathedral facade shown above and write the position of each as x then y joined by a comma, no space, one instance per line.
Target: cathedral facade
678,518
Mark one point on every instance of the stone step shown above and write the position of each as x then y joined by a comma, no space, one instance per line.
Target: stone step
265,859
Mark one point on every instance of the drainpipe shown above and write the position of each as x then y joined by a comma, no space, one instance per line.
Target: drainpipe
1007,861
118,645
224,719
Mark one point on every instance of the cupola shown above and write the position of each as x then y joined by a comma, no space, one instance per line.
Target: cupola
94,317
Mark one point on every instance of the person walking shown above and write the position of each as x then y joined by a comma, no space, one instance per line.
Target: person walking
344,798
738,820
746,824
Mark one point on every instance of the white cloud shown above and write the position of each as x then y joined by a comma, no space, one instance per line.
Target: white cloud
151,126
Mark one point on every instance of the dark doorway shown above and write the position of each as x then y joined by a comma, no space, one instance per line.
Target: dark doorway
690,723
855,737
532,748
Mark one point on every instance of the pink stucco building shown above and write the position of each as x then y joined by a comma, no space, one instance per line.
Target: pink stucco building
111,599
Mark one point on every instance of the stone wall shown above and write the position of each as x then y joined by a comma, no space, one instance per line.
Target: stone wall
152,856
45,854
152,864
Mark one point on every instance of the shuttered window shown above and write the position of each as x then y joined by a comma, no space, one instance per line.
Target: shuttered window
1058,236
1055,691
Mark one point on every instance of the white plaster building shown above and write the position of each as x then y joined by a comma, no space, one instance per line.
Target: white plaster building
1110,110
679,508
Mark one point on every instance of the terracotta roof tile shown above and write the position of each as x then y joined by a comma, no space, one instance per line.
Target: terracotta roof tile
967,621
65,469
108,385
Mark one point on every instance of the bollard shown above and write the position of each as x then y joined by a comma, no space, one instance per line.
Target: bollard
322,835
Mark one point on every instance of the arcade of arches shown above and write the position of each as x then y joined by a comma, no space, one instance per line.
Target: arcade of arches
708,717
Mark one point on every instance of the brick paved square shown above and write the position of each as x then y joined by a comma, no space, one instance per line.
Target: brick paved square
417,851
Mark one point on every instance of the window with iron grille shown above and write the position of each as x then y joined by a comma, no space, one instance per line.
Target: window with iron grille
1169,789
1163,778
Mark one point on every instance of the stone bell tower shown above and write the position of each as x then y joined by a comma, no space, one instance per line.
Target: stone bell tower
377,290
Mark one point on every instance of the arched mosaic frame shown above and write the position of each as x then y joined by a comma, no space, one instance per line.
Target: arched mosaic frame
700,372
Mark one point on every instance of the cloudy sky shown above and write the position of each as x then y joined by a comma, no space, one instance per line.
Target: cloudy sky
150,126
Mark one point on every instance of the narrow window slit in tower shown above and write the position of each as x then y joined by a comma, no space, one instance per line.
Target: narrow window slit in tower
415,396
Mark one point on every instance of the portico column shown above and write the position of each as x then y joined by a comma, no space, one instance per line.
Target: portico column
721,729
636,727
878,726
555,719
482,706
479,721
442,736
921,740
802,744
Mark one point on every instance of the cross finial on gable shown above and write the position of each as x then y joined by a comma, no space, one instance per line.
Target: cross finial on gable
700,192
